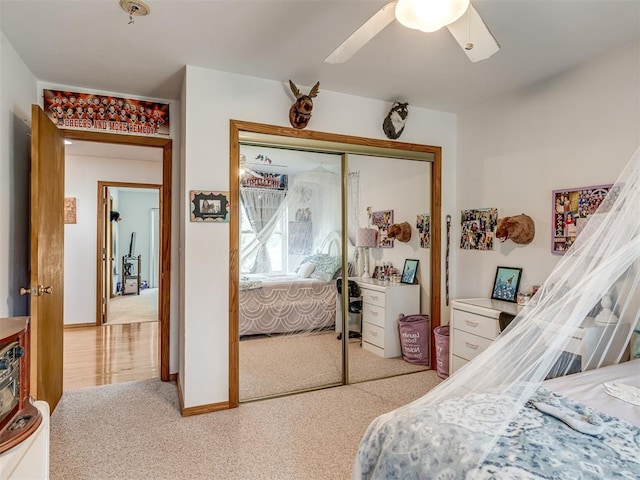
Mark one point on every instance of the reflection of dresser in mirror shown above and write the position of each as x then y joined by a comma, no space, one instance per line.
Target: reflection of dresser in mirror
131,275
383,303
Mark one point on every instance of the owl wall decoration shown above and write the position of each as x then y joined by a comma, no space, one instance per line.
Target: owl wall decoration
393,124
300,111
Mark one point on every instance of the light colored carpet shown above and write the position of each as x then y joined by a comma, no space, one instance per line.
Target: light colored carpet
135,431
134,308
282,364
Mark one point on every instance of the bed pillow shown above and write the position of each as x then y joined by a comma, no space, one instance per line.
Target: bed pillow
350,272
305,270
326,267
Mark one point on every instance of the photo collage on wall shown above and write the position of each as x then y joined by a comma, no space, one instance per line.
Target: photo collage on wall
88,111
383,220
272,181
478,227
423,225
571,211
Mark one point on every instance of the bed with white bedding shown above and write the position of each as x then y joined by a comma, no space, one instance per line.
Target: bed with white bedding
570,429
586,387
275,304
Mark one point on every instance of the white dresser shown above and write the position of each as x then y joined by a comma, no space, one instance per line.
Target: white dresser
382,304
474,325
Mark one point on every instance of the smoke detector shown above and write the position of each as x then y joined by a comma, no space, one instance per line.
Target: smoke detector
134,7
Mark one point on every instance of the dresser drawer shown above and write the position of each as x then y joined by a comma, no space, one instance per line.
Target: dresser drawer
373,314
574,343
456,364
373,334
468,346
373,297
476,324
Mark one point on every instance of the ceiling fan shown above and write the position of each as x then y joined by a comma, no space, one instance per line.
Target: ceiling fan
458,16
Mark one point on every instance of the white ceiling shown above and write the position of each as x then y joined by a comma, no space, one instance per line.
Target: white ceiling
89,44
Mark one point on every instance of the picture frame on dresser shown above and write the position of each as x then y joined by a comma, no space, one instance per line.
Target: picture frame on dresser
409,271
506,284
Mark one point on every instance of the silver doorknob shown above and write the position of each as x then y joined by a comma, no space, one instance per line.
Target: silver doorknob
42,290
26,291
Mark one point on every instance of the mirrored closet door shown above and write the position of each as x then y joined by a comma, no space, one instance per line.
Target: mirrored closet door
297,322
290,257
383,192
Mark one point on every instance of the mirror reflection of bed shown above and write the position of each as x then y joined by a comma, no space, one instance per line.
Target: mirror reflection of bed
291,256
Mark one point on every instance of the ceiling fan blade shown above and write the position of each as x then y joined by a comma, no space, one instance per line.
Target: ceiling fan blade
471,30
366,32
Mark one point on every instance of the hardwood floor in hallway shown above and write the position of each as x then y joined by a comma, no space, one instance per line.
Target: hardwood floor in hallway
103,355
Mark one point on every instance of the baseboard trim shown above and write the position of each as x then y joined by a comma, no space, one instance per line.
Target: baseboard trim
199,409
79,325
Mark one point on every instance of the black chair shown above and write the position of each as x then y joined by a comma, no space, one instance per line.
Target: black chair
355,305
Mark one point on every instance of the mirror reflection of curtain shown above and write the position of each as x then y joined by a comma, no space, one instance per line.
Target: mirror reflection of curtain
353,190
263,208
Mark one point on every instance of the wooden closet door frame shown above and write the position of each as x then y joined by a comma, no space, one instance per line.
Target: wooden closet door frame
356,145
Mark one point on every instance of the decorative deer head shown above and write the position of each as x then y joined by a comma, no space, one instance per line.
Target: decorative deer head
300,111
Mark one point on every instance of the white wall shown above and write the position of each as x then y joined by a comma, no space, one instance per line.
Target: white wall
17,93
211,99
81,181
577,129
401,186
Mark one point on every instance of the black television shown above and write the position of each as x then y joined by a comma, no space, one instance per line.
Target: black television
132,244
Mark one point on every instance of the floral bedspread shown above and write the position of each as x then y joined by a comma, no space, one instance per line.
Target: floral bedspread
444,442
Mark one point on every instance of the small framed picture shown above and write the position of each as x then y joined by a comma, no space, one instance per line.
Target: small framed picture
506,283
209,206
70,210
409,271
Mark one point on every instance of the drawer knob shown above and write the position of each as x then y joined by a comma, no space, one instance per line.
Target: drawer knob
374,334
471,324
471,345
375,314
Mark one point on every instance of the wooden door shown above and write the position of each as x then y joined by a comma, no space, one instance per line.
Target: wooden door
47,258
105,268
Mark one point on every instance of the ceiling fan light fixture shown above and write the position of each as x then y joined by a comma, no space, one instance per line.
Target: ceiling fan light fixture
429,15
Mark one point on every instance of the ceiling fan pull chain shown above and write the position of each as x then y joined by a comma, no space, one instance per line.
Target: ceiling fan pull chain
469,44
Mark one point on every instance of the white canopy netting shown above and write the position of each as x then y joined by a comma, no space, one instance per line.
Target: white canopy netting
457,430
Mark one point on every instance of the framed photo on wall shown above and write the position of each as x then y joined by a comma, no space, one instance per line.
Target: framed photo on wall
571,210
70,210
409,271
506,283
208,206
